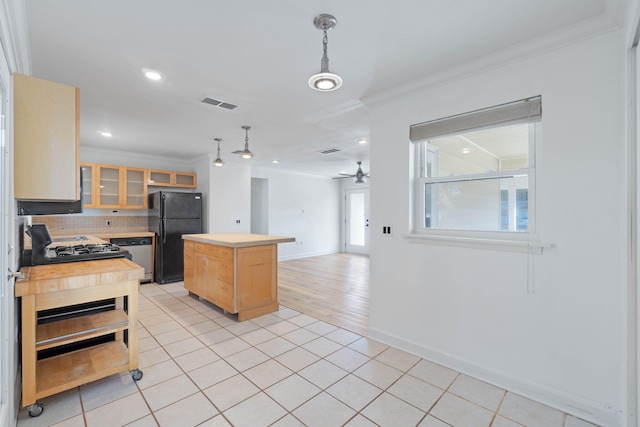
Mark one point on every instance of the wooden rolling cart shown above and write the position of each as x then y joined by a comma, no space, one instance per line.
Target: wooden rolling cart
46,287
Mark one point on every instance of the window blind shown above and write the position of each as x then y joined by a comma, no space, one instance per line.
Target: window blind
524,111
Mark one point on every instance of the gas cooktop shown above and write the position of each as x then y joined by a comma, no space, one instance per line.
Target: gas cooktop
84,252
41,253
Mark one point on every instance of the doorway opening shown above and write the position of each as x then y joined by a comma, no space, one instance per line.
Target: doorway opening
259,206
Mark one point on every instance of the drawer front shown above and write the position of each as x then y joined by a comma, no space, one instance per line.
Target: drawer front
225,253
205,249
225,270
225,295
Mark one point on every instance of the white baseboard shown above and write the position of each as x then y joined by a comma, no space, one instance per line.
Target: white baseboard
581,408
307,254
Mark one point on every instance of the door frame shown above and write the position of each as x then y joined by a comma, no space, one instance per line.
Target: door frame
14,57
8,258
6,296
631,369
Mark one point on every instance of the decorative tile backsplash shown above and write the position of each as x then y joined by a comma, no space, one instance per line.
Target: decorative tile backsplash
70,225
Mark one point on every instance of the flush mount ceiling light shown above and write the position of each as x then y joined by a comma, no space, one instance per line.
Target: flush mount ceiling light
151,74
325,81
362,141
105,133
246,154
218,162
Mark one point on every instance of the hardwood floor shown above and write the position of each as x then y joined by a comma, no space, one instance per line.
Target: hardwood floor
333,288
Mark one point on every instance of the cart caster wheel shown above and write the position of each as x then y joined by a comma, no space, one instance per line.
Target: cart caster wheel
36,409
136,374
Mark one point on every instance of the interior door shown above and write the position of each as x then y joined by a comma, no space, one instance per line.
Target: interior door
357,221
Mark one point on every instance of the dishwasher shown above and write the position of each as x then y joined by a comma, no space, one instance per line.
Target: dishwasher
141,254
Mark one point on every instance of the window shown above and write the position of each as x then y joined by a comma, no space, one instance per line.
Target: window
476,171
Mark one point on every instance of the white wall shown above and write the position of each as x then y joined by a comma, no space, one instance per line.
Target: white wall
468,307
125,158
202,167
304,207
230,198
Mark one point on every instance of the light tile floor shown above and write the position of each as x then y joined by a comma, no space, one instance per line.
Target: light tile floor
202,367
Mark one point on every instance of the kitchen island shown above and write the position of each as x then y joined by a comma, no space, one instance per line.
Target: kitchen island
51,287
238,272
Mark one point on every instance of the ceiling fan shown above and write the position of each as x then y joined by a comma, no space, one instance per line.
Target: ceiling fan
360,176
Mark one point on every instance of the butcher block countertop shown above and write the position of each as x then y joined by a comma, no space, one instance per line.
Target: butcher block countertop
41,279
237,240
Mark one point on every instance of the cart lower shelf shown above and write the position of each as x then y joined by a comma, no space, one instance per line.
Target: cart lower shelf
66,371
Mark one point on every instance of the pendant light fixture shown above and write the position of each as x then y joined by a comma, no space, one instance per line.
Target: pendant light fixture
246,154
325,80
218,162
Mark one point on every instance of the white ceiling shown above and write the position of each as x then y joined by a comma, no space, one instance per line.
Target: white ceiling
259,55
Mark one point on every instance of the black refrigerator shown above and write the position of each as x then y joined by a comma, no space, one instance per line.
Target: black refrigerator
172,214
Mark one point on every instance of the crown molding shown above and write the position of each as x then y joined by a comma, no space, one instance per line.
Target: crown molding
14,36
128,154
610,20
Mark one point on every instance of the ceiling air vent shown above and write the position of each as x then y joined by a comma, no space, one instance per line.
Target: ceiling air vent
237,152
217,103
329,151
227,106
211,101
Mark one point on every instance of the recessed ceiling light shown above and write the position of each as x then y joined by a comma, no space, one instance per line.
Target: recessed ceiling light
151,74
362,141
465,150
105,133
275,161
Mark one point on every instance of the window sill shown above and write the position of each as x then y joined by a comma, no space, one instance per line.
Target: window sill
524,246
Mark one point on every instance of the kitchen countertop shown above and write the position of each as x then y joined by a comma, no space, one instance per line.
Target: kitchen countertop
237,240
105,234
39,279
119,235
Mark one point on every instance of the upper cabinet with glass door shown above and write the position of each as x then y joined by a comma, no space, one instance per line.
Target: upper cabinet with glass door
136,188
88,181
161,178
121,187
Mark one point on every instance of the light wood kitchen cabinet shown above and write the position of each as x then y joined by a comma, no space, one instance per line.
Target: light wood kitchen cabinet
204,268
237,276
46,140
160,178
121,187
200,270
89,199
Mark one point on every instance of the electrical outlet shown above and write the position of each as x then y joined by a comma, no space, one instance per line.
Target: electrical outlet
108,223
237,221
386,230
